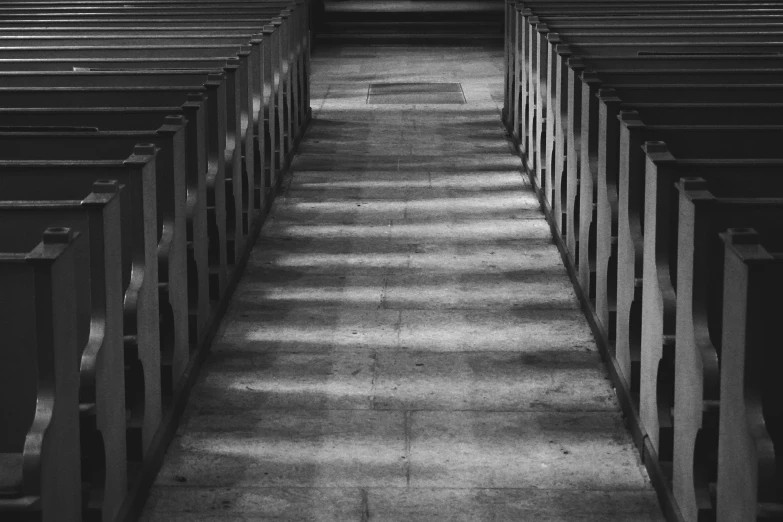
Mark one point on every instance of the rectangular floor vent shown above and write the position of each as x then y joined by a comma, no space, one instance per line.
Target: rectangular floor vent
405,93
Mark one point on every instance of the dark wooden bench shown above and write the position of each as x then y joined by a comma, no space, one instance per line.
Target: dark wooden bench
582,147
300,45
646,306
203,284
752,178
178,85
520,34
516,27
220,144
749,426
294,57
607,190
567,113
173,27
205,175
231,240
254,81
662,315
99,333
172,258
563,95
297,54
568,192
544,80
271,8
693,141
250,95
555,89
558,75
580,124
39,452
586,177
273,90
700,301
533,43
37,179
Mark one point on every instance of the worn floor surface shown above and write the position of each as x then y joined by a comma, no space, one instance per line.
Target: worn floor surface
405,344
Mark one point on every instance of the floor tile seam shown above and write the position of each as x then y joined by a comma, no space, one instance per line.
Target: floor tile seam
364,505
412,157
566,349
408,435
339,159
373,383
325,282
423,220
643,487
359,272
396,237
407,384
394,242
445,239
409,240
375,305
325,192
548,412
576,349
400,488
276,306
298,410
388,168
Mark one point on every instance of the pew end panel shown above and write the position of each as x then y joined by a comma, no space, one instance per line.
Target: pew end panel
699,327
750,436
41,471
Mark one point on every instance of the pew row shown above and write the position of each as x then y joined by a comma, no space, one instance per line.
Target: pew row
235,93
40,436
615,109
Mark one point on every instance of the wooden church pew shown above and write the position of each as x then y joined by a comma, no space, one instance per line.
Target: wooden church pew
545,80
101,390
586,179
172,261
274,113
150,96
749,426
295,54
684,142
662,312
700,264
201,290
607,183
579,192
155,88
24,180
537,39
251,137
522,34
39,450
208,83
606,199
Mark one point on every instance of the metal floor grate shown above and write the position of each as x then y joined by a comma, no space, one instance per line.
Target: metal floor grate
403,93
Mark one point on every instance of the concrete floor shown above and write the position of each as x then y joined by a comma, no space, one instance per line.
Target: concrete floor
405,344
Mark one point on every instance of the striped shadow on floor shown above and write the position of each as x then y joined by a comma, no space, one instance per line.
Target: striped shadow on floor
404,93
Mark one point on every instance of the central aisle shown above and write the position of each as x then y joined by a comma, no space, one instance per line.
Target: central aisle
405,344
